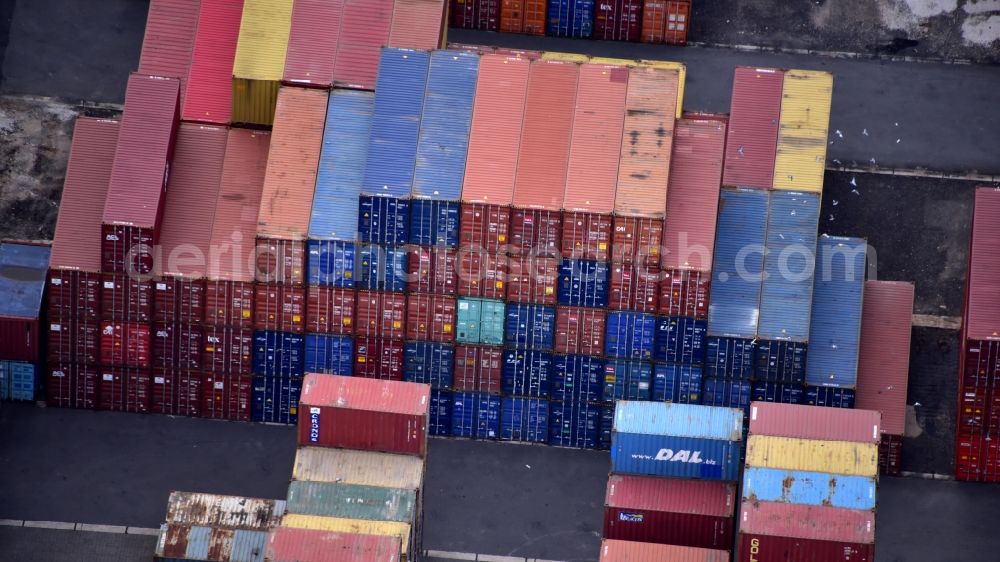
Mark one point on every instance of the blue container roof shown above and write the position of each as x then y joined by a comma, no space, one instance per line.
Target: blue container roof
679,420
22,279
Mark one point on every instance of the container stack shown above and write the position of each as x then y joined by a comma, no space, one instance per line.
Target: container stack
809,487
201,526
666,21
23,270
673,475
627,551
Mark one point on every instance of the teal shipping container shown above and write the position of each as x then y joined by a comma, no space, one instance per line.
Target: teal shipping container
480,321
352,501
809,488
17,381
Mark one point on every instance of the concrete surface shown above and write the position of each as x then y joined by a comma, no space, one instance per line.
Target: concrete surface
18,544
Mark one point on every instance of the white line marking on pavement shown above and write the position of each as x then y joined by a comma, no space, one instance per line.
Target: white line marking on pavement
50,525
492,558
450,555
11,523
114,529
142,531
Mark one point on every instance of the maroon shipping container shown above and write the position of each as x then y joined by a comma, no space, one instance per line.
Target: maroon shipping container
890,455
808,521
532,279
126,299
177,392
977,458
618,20
754,547
281,261
74,340
478,369
229,303
430,318
381,315
226,397
586,236
810,422
179,300
133,208
177,345
696,513
227,350
684,293
634,287
71,385
884,356
978,399
483,15
484,226
535,232
580,330
378,358
636,240
125,389
74,292
482,274
330,310
127,344
432,270
752,142
982,306
280,308
364,414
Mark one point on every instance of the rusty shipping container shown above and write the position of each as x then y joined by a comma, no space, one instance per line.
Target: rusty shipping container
982,298
580,331
208,95
484,226
754,547
381,315
227,350
280,308
532,279
523,16
430,318
478,368
586,236
177,345
807,522
481,273
629,551
751,143
884,357
634,287
223,512
684,293
636,240
804,422
312,42
168,44
330,310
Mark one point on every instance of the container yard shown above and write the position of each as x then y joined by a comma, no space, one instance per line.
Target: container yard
417,280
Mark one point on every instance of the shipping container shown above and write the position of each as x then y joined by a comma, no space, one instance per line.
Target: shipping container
982,305
809,488
341,167
580,331
73,295
533,279
280,261
574,424
524,419
636,240
570,18
583,283
229,303
478,369
475,415
22,283
830,397
384,220
677,383
364,30
126,298
666,21
755,547
183,542
179,300
329,354
126,344
381,315
577,378
780,361
332,262
729,358
353,501
523,16
432,270
378,358
441,407
978,412
479,273
670,511
363,468
530,326
176,392
586,236
275,400
890,455
208,95
402,531
808,522
620,20
278,354
330,310
828,424
535,232
133,208
429,363
726,393
313,39
627,380
382,268
223,512
684,293
287,544
484,226
634,287
125,389
630,335
72,385
434,222
782,393
679,420
18,381
976,458
259,63
754,118
480,321
884,357
628,551
526,373
168,43
675,457
833,457
280,308
475,14
226,396
73,340
418,24
177,345
680,339
800,161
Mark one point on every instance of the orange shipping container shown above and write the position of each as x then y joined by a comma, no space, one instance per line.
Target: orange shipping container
666,21
597,139
523,16
643,173
501,90
543,156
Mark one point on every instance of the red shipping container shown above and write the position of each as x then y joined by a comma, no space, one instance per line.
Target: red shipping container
533,280
208,96
176,392
666,21
74,340
628,551
684,293
478,369
125,389
979,401
884,355
226,397
693,513
364,414
580,331
752,141
126,343
636,240
754,547
418,24
227,350
133,208
977,458
281,261
890,455
523,16
364,30
312,42
378,358
289,544
618,20
432,270
808,521
169,40
483,15
179,300
484,227
71,385
810,422
586,236
634,287
520,53
381,314
177,345
535,232
125,298
482,274
470,48
280,308
77,293
330,310
982,306
430,318
229,303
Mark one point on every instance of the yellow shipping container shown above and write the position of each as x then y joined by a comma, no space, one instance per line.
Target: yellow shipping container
383,470
565,57
352,526
611,60
260,60
681,78
832,457
803,127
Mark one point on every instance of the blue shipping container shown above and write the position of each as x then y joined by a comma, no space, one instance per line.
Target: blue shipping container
577,378
809,488
399,102
17,381
729,358
574,424
627,380
434,223
570,18
383,268
679,420
530,326
440,412
680,339
384,220
526,373
726,393
342,165
676,457
835,332
630,335
332,263
780,361
738,263
329,354
23,270
275,399
830,397
279,354
607,425
445,124
524,419
786,294
475,415
782,393
677,383
583,283
429,363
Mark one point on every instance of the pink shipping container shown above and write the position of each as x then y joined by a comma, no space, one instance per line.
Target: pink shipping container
884,357
547,130
807,522
618,20
208,96
125,389
364,30
288,544
169,40
71,385
693,198
697,513
364,414
126,344
762,548
982,306
753,128
811,422
495,138
418,24
628,551
592,175
177,345
312,42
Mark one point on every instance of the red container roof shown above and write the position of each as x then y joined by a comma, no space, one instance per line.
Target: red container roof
364,30
85,188
288,544
753,127
884,362
982,310
807,522
813,422
417,24
356,393
628,551
697,497
208,95
312,41
169,40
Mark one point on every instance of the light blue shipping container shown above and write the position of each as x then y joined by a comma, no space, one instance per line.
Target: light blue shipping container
676,457
240,545
332,262
17,380
444,125
679,420
835,332
809,488
399,101
786,295
739,260
480,321
342,165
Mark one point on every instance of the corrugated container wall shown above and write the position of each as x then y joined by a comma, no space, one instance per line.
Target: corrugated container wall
755,547
353,501
169,39
753,128
618,20
804,422
523,16
982,306
287,544
209,93
181,542
22,284
417,24
884,362
681,70
832,457
802,130
809,488
475,14
223,512
260,60
572,18
666,21
364,30
808,522
313,39
363,468
628,551
356,526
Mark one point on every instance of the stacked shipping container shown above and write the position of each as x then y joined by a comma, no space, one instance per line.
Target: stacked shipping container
23,271
204,526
